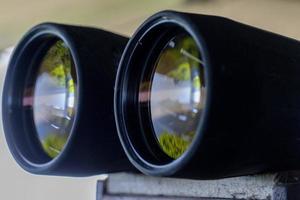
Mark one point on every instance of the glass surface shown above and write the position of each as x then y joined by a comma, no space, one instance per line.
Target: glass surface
177,95
53,100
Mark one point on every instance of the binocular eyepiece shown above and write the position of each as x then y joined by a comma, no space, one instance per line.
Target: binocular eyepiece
205,97
191,96
58,100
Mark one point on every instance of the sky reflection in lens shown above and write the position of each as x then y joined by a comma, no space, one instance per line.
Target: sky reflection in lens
177,95
54,98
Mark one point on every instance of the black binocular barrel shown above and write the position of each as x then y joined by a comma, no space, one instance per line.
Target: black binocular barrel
206,97
58,101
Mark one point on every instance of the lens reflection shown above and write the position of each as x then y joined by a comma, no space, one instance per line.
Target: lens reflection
177,95
53,98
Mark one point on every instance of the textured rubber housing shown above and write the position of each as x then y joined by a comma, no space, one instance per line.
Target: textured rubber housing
251,116
93,146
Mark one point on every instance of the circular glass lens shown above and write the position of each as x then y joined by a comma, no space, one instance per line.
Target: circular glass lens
177,94
53,98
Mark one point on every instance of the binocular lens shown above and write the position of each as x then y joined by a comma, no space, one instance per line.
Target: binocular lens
56,118
53,98
177,95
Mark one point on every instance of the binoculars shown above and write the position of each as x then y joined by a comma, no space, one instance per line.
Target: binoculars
188,95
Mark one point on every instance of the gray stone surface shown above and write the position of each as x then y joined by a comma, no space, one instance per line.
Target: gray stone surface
248,187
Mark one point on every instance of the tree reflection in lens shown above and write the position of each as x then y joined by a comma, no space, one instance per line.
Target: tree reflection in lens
177,95
54,98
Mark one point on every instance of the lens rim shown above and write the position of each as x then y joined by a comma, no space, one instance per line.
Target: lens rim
152,67
21,136
126,109
144,113
31,81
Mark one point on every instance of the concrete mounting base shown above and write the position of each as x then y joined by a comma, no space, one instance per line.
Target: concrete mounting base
122,186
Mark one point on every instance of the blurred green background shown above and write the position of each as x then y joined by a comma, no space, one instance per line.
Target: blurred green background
121,16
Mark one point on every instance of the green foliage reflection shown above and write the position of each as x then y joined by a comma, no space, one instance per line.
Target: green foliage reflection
181,73
53,144
179,60
58,64
173,145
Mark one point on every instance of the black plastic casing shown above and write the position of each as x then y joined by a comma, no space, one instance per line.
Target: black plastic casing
93,146
251,120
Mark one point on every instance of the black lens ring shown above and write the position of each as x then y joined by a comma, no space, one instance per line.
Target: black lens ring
28,151
122,101
27,114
